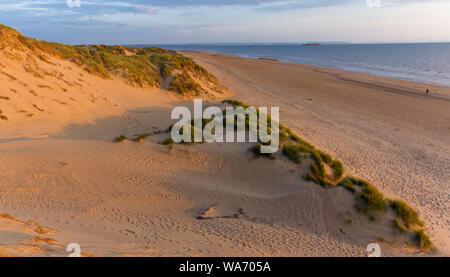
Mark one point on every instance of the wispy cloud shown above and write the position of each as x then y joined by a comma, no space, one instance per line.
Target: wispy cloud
240,19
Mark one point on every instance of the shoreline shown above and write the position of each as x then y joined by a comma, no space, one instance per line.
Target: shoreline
390,84
281,60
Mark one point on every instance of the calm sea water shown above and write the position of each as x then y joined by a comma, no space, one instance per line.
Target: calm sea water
421,62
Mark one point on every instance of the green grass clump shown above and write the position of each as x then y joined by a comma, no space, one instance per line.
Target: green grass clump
348,184
423,240
374,200
168,141
293,153
256,150
326,158
120,138
235,103
317,167
407,214
183,84
297,139
318,180
338,170
398,226
139,137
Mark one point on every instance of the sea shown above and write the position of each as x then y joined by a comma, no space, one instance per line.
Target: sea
420,62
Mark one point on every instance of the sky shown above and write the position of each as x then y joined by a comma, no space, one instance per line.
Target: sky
229,21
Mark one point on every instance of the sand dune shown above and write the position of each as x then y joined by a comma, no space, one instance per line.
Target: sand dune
61,169
144,199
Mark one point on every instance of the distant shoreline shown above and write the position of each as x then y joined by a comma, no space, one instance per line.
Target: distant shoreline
410,62
401,86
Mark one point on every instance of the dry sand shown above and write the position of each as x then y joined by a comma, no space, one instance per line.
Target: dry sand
63,180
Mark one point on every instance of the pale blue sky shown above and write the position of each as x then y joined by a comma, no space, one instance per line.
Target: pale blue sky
200,21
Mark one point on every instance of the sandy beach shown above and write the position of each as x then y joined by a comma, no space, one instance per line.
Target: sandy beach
64,180
388,131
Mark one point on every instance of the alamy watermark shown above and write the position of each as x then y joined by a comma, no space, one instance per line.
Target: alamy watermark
74,249
209,125
373,250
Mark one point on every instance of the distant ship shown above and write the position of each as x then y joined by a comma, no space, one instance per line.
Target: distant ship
311,44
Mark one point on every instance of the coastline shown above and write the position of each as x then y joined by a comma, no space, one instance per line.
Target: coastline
388,131
382,82
426,63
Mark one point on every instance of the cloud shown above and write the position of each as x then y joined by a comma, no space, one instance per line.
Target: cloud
275,6
145,9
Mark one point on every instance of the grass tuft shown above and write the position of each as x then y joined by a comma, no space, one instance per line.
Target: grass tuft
293,153
120,138
348,184
168,141
338,170
407,214
256,150
423,241
139,137
398,226
374,200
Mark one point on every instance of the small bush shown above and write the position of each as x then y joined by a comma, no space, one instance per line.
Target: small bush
120,138
423,240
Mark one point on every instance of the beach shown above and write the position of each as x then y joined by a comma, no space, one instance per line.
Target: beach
388,131
65,180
